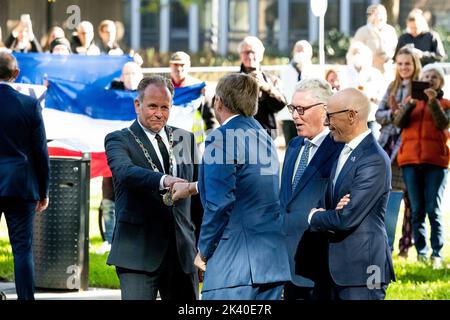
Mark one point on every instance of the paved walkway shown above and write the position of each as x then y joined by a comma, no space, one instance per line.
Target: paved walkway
91,294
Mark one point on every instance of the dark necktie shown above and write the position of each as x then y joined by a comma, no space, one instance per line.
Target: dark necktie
164,153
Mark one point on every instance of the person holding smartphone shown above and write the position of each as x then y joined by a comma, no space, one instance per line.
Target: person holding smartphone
407,70
424,159
22,38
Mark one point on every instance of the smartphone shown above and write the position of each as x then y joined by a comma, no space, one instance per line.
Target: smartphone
417,90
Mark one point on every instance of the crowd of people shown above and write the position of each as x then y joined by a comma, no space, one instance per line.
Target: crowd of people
352,134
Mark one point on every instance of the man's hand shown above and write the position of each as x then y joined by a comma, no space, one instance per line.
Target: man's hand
136,57
343,202
393,104
199,263
169,181
180,190
41,205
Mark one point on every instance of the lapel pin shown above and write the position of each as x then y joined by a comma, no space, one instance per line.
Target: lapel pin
353,159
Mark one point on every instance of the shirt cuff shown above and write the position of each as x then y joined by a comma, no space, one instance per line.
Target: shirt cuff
311,214
161,182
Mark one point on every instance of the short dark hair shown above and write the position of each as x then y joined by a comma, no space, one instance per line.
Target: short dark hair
156,80
8,65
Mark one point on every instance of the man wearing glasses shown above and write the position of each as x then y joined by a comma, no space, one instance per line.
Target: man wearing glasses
359,258
270,99
306,170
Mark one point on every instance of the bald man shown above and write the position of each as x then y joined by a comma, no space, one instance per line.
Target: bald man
359,258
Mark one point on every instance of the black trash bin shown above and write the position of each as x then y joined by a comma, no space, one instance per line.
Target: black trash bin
61,233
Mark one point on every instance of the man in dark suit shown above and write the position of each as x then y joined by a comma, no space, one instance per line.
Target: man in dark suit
359,258
24,171
307,166
241,245
153,246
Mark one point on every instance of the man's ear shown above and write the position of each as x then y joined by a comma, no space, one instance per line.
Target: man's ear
14,76
137,106
352,117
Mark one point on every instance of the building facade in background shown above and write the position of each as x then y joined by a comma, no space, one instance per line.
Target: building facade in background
210,25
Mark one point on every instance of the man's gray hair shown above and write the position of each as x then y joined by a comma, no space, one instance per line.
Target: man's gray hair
256,44
156,80
319,88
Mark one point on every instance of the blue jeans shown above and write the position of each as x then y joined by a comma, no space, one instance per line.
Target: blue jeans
426,184
19,216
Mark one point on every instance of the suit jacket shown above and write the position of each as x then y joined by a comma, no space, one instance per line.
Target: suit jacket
145,225
311,190
241,232
24,160
359,240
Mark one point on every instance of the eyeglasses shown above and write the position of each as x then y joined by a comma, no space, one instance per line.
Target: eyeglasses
329,115
301,110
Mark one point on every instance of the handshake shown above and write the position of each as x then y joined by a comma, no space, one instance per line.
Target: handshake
180,188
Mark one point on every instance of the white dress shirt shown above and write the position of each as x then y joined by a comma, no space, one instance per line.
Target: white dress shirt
343,157
228,119
152,138
347,151
315,144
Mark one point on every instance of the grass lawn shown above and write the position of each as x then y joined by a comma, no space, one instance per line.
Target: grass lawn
415,281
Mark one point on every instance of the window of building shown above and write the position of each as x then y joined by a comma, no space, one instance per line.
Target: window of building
298,20
358,14
333,14
238,20
270,26
179,26
149,24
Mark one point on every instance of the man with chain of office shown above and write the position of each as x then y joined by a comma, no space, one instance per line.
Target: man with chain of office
153,246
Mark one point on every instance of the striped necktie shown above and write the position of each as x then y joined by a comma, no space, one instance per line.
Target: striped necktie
302,164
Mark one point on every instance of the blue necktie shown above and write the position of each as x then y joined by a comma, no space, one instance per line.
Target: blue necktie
302,164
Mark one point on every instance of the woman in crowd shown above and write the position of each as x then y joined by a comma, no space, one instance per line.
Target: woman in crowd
407,69
426,43
22,37
55,32
424,159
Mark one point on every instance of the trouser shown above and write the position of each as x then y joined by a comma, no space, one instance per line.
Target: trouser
169,279
107,205
270,291
19,216
293,292
426,185
328,290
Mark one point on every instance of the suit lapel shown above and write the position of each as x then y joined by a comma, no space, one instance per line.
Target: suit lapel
325,151
139,132
354,157
180,159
